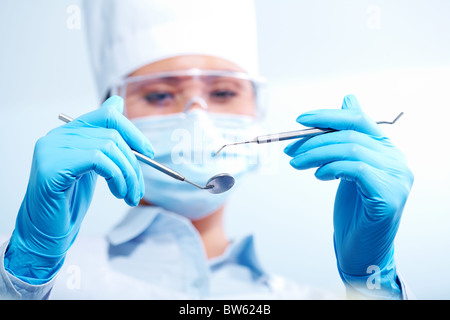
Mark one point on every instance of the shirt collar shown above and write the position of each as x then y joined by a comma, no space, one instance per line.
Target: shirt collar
240,251
136,221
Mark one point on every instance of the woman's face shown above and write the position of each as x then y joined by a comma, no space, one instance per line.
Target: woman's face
159,95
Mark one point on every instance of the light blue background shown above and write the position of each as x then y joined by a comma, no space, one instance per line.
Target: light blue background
394,55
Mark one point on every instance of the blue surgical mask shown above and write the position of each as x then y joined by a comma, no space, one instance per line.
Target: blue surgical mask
186,143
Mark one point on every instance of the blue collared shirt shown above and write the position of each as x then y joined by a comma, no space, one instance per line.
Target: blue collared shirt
165,249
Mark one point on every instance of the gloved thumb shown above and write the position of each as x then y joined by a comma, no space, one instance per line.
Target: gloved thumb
350,103
365,124
114,101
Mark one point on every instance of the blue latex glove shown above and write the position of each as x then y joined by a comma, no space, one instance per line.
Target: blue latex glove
63,176
375,184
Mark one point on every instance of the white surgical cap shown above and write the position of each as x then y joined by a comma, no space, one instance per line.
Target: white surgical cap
124,35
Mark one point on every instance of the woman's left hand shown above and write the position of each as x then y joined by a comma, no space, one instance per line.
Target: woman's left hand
375,183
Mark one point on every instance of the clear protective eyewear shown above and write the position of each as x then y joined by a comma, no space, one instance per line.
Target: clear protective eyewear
217,91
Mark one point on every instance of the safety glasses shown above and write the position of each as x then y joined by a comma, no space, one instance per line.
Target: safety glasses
217,91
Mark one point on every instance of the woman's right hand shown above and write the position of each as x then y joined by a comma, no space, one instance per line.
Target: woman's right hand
63,176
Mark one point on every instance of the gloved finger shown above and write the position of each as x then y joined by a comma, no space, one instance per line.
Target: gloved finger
378,144
355,171
112,151
113,135
344,119
320,156
115,102
350,102
107,136
85,161
110,116
292,148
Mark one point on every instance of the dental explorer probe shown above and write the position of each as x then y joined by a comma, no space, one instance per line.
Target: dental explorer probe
305,133
217,184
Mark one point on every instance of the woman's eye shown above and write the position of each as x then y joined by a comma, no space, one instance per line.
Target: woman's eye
159,97
223,94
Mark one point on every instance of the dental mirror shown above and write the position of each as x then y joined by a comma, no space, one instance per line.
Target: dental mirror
220,183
